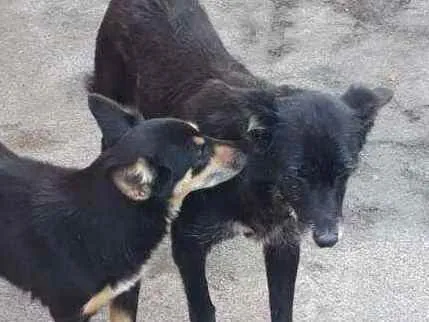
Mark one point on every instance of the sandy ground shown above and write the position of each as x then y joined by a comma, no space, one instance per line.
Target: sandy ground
379,271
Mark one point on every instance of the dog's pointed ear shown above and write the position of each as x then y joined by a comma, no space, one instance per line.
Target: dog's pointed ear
366,102
113,119
135,181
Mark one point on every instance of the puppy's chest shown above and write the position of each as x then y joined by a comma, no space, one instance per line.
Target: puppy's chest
120,285
149,243
141,271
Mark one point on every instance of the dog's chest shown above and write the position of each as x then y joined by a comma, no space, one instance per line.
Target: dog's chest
273,223
143,271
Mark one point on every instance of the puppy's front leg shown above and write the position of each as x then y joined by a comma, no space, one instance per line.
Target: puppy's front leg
281,262
109,293
98,301
124,307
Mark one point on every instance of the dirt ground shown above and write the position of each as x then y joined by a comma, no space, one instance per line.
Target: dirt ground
380,270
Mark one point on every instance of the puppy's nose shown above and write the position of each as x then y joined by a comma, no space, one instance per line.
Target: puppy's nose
325,238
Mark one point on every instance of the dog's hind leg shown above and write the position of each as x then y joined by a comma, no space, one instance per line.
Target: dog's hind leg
112,77
281,262
124,307
192,242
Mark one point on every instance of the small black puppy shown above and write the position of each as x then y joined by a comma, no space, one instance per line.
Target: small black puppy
77,238
165,58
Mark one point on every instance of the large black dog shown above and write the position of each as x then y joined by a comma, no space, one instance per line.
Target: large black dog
78,238
164,58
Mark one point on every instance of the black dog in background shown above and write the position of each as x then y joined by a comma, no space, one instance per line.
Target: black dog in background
72,237
165,59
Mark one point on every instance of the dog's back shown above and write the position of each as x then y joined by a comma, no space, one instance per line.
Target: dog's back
163,50
15,187
22,169
19,177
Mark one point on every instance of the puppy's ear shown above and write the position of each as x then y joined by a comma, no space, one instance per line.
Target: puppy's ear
135,181
113,119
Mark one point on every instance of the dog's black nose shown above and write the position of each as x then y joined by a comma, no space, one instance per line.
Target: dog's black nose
325,238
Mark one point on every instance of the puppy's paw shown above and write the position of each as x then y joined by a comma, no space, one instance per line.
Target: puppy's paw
97,301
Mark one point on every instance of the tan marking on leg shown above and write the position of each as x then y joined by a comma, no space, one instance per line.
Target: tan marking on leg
98,301
118,315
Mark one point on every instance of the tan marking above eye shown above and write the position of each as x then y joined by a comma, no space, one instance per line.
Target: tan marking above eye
198,140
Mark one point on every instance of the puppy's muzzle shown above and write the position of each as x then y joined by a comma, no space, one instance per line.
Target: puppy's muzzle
229,157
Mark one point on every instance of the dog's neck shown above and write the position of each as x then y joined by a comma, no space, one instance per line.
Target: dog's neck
93,188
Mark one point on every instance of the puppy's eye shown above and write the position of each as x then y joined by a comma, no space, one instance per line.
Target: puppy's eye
199,145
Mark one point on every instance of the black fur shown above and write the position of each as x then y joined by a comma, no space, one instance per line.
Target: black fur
165,58
67,233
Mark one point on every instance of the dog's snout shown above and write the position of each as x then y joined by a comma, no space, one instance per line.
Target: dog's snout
325,238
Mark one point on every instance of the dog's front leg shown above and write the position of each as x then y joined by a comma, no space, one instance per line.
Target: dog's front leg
281,262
